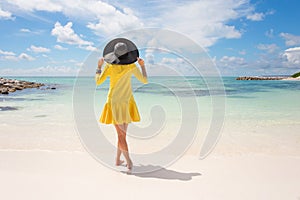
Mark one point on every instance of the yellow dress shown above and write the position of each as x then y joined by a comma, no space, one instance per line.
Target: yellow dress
120,106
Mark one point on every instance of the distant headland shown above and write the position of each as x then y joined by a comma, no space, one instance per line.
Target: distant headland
295,76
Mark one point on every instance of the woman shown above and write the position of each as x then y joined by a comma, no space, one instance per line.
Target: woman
120,108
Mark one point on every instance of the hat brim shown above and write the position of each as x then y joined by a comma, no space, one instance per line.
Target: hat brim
130,57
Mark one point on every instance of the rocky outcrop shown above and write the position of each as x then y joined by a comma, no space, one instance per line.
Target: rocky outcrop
11,85
259,78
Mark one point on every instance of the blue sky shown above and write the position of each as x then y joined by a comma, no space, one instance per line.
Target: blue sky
54,37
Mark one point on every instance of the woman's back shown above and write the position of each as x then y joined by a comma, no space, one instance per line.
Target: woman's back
120,106
120,82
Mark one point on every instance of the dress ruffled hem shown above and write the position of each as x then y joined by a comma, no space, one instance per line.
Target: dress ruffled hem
119,113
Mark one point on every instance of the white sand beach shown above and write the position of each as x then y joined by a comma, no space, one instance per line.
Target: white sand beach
66,175
292,79
244,165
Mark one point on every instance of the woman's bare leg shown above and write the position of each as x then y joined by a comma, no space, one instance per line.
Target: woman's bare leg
118,157
126,153
119,152
122,143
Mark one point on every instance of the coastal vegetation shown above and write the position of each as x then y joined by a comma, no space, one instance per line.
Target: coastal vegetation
296,75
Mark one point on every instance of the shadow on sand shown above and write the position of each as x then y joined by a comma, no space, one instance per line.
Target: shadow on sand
151,171
7,108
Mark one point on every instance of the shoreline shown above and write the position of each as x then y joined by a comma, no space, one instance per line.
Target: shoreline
292,79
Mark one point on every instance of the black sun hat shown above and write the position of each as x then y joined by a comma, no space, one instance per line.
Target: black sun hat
120,51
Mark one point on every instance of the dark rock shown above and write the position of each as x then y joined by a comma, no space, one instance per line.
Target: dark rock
28,86
53,88
7,85
18,88
5,91
12,89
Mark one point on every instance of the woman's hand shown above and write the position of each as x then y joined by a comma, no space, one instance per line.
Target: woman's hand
100,63
141,62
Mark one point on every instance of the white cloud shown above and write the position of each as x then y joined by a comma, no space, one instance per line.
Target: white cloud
256,16
206,20
90,48
270,33
24,56
25,30
65,34
232,61
56,70
38,49
290,40
270,48
171,61
41,71
59,47
5,14
7,53
115,22
102,17
10,58
259,16
80,64
293,55
284,63
173,66
149,56
36,5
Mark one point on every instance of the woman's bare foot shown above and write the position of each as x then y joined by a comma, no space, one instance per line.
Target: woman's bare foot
129,165
119,162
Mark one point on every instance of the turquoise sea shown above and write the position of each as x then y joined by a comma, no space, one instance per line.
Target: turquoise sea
261,116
